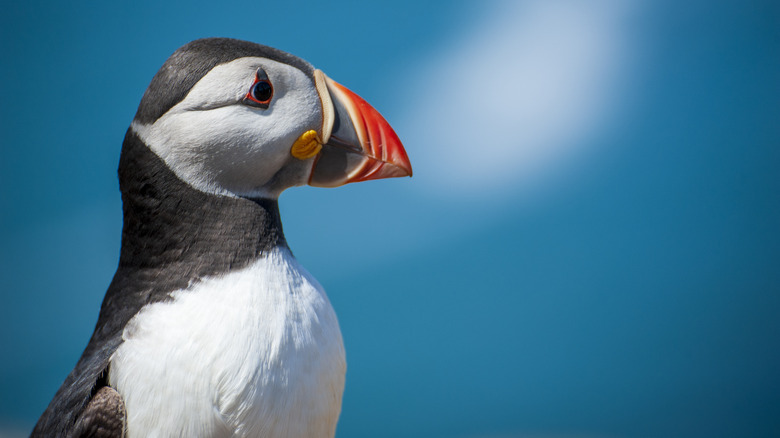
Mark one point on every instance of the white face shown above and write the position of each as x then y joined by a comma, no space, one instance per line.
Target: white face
220,145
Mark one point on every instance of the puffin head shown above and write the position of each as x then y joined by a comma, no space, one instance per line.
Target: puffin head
240,119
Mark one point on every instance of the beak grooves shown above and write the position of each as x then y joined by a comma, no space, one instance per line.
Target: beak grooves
357,142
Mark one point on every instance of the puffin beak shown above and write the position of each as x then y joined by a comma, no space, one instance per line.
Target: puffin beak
357,142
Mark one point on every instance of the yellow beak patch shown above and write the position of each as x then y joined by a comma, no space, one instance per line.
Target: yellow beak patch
306,146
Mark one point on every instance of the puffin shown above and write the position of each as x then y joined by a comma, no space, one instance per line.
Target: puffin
210,327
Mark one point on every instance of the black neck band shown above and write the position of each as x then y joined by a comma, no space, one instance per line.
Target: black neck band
168,222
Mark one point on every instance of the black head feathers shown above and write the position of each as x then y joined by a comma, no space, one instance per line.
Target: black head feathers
192,61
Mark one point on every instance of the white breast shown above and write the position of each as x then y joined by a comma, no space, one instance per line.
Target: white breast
256,352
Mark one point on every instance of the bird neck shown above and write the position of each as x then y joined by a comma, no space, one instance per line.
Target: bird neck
166,221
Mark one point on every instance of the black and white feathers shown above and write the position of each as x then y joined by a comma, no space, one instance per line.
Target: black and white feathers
210,327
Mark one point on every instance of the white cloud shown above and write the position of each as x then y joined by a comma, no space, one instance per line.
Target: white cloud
516,95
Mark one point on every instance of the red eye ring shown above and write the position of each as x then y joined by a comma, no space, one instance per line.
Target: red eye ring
260,93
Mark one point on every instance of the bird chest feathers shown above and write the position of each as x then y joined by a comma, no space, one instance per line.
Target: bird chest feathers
256,352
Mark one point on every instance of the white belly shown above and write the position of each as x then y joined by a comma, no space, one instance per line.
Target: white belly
256,352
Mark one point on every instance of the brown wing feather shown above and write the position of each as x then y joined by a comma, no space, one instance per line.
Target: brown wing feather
104,417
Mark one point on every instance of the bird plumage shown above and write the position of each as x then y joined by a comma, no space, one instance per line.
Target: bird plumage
210,327
173,236
255,352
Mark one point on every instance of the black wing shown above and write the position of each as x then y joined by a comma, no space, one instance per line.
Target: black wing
91,372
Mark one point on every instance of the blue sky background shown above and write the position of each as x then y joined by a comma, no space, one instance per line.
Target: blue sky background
589,247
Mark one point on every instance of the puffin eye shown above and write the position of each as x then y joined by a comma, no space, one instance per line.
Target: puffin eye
260,93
